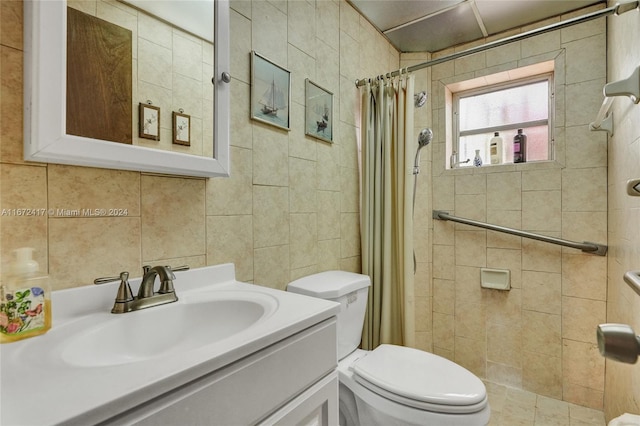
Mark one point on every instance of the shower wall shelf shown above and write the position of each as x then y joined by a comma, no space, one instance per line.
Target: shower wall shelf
586,246
628,87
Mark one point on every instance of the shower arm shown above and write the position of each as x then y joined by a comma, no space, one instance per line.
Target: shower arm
587,247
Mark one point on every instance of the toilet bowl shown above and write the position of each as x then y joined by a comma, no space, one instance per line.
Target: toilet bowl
392,385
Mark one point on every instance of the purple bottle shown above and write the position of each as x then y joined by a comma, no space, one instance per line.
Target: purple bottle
520,147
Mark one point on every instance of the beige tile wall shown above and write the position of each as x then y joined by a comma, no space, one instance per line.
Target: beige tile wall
423,293
622,381
539,336
290,207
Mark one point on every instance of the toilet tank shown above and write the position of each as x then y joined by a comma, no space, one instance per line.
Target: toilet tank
348,289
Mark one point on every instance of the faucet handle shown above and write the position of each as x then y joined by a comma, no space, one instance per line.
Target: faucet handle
167,286
124,295
105,280
124,291
146,268
179,268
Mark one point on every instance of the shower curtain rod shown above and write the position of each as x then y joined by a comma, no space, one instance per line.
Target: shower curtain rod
617,9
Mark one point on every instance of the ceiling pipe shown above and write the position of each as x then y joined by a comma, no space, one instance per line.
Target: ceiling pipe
617,9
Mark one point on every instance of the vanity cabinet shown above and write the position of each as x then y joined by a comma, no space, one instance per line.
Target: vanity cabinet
292,382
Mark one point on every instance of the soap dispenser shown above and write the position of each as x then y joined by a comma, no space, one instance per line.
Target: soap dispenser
25,299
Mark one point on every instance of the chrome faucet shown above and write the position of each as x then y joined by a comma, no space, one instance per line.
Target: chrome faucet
148,280
146,298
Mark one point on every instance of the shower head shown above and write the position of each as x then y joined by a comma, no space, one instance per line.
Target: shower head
424,138
618,342
420,99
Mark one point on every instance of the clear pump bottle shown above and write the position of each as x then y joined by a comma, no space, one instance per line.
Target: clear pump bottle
25,300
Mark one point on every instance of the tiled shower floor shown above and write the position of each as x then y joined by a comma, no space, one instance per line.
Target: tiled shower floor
515,407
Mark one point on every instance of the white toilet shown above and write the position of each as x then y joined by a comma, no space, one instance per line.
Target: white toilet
392,385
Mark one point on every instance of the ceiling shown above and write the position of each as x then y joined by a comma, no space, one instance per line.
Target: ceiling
432,25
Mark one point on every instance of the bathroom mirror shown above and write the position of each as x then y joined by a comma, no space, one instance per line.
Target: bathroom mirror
45,104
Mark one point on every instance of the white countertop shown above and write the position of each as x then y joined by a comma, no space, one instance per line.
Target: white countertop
37,387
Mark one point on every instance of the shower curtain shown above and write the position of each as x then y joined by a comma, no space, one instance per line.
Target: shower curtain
386,210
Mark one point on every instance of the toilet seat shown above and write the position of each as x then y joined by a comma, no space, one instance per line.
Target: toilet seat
421,380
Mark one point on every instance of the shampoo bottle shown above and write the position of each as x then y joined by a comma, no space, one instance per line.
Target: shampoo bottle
25,300
495,148
520,147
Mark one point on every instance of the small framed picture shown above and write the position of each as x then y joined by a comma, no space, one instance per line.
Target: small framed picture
181,128
319,112
270,92
149,121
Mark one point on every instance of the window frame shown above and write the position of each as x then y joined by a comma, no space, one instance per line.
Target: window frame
489,88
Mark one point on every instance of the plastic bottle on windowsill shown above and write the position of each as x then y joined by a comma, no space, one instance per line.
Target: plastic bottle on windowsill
520,147
495,148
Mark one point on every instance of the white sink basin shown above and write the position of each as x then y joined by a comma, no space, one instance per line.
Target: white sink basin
162,330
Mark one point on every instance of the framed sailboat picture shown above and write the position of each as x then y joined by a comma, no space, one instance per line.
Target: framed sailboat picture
319,112
270,92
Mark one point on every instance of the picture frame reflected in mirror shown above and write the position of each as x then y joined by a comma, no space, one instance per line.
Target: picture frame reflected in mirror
149,119
181,128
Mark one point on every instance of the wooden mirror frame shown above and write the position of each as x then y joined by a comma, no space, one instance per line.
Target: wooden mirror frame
45,137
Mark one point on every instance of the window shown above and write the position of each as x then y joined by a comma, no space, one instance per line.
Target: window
504,108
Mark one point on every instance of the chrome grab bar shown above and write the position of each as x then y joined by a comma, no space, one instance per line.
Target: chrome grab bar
633,279
586,246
